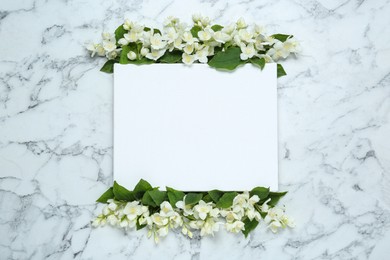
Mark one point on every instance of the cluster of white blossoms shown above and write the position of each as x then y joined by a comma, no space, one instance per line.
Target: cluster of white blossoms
107,48
197,42
243,207
203,216
276,218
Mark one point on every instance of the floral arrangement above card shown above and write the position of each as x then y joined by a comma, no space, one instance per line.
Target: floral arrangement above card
223,48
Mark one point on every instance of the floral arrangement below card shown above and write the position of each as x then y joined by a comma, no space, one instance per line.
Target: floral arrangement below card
160,211
221,47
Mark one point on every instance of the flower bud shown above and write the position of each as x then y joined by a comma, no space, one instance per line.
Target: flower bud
131,55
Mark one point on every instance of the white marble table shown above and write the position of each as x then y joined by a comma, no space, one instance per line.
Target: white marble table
56,131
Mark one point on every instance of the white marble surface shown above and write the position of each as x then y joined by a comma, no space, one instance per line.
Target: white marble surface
56,131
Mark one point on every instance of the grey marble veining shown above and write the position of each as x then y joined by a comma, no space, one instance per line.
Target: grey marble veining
56,131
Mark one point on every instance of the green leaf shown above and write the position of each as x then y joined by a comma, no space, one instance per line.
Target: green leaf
140,189
260,62
138,226
119,32
158,196
147,200
275,197
215,195
171,57
262,192
139,47
123,56
281,37
121,193
195,29
108,67
174,196
108,194
216,27
218,49
280,71
147,29
193,198
249,226
228,59
226,200
207,198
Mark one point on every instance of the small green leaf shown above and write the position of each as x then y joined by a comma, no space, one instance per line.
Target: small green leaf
138,226
141,187
226,200
158,196
195,29
215,195
262,192
147,200
207,198
139,47
108,67
119,32
108,194
260,62
147,29
216,27
281,37
249,226
193,198
121,193
123,56
275,197
174,196
280,71
217,49
171,57
229,59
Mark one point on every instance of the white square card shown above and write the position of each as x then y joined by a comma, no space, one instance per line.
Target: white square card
195,128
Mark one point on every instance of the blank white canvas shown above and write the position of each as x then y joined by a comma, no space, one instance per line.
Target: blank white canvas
195,128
